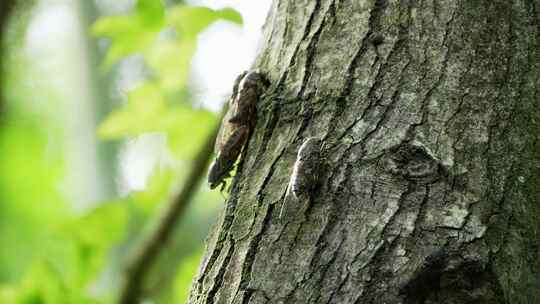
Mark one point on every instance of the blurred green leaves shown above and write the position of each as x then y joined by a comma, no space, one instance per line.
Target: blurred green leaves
29,200
147,111
151,13
186,272
51,254
142,114
189,21
139,32
131,33
167,41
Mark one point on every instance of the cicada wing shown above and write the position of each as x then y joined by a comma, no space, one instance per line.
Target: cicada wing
227,156
293,206
226,129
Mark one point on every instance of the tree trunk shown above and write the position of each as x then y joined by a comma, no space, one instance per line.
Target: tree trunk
6,6
99,86
430,187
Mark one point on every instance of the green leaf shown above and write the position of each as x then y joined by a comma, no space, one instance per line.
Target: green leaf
187,130
171,60
187,270
128,34
146,105
156,192
8,294
47,283
30,175
98,228
189,21
132,33
152,12
147,111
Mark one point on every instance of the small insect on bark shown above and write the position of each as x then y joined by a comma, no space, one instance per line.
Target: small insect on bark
237,125
304,178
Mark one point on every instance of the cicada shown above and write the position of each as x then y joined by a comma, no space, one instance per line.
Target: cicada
304,178
305,175
237,125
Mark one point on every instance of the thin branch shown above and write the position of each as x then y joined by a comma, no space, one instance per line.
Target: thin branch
149,250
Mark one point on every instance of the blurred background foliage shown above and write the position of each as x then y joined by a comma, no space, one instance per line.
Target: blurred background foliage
102,121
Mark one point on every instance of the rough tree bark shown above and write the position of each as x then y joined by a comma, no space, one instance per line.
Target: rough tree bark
431,187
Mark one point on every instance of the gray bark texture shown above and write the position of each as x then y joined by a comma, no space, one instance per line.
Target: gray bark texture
430,187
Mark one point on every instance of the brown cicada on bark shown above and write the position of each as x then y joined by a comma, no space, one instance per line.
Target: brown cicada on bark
304,178
237,125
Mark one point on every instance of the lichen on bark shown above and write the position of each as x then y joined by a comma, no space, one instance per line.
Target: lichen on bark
431,189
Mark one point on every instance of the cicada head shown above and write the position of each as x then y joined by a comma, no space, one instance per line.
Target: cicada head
254,79
227,127
251,87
